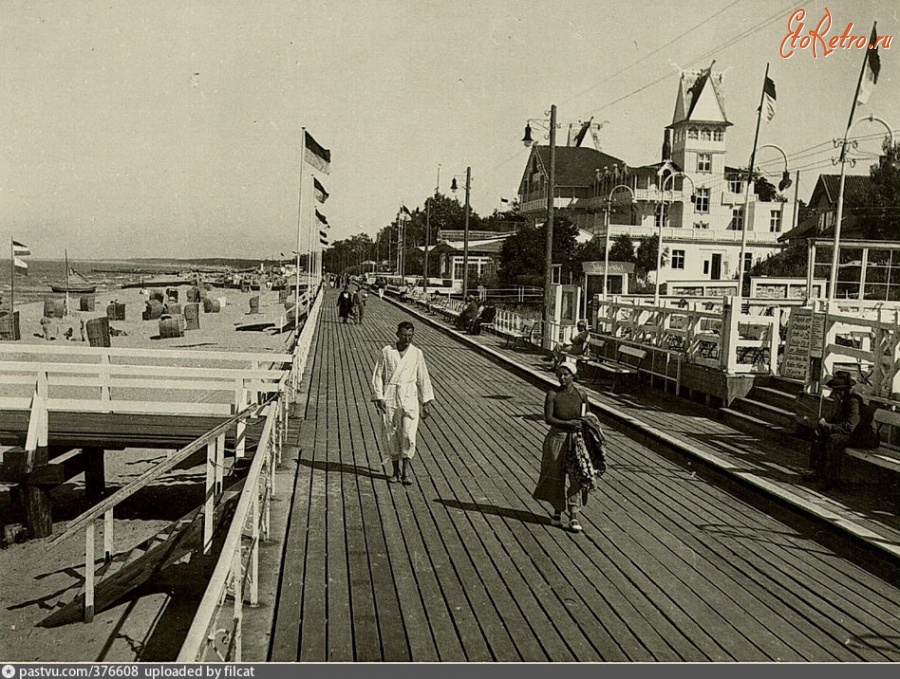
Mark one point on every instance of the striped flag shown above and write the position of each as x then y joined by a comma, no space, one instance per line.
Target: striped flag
323,238
871,69
321,218
769,98
319,191
318,156
20,266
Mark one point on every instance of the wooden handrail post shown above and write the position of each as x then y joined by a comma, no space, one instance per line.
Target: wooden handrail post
254,549
209,501
108,543
241,400
238,617
89,572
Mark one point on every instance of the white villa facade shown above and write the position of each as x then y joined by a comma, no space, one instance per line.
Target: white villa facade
690,198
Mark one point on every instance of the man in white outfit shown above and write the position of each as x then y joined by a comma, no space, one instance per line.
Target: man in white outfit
399,384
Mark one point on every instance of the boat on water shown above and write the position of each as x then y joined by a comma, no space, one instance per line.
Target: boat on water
75,283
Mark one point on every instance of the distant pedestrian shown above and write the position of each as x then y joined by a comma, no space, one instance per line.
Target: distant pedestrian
572,449
848,424
345,304
401,390
359,304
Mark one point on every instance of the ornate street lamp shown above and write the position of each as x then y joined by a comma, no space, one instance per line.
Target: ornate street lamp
606,247
454,187
845,145
662,222
551,126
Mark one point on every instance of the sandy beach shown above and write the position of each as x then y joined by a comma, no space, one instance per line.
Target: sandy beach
36,581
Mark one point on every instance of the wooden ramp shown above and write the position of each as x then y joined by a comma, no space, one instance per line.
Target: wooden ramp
464,565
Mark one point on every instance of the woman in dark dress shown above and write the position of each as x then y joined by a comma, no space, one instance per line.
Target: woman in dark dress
345,304
564,409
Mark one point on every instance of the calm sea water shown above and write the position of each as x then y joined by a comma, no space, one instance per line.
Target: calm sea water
105,274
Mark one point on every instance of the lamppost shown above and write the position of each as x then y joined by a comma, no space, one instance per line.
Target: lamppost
844,145
606,247
662,222
782,185
546,340
454,188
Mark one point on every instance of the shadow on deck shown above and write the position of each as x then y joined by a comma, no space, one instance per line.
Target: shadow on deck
464,565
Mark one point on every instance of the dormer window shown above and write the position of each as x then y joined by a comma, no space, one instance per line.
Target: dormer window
718,135
692,133
705,134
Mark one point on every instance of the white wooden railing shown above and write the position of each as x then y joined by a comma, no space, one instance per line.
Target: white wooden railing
722,337
863,337
217,629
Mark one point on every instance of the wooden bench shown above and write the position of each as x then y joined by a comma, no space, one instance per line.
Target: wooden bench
525,336
887,455
628,361
437,304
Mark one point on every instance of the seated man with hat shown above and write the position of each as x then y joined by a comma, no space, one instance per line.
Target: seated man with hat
849,424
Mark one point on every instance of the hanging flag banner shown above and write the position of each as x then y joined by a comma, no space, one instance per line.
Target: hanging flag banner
870,71
579,138
20,249
321,218
319,191
20,266
318,156
405,215
323,234
769,97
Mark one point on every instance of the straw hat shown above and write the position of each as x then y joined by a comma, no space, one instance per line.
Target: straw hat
841,379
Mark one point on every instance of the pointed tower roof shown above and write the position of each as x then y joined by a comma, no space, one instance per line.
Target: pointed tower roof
700,98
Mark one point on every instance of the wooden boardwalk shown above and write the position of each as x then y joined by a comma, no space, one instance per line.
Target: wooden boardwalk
464,566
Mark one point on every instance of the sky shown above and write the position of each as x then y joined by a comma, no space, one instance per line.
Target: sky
173,129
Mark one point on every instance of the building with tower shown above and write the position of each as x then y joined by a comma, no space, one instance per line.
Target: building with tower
690,197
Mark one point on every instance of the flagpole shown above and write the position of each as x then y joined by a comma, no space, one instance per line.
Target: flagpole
832,283
12,277
299,229
746,215
309,250
67,280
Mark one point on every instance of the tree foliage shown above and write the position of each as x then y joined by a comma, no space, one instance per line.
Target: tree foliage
878,206
522,255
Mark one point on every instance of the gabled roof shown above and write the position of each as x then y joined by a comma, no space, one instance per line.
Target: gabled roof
575,166
829,186
656,167
852,227
700,98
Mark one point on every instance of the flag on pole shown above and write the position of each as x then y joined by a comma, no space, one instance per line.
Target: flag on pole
769,98
20,266
323,237
871,69
405,216
319,191
321,218
582,133
319,157
20,249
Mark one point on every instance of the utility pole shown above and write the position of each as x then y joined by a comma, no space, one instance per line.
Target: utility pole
548,250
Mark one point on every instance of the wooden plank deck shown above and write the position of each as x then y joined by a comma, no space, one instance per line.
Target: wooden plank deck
464,566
